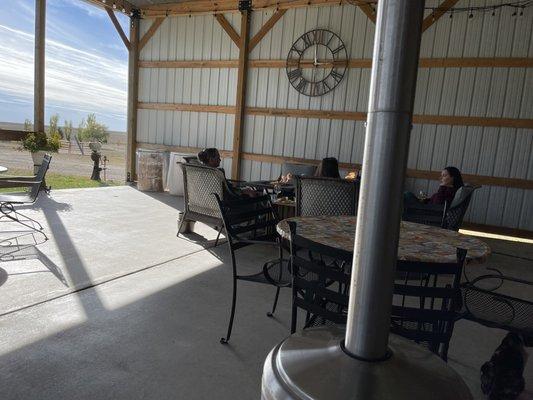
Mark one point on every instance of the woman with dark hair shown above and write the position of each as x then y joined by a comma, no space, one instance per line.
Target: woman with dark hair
210,157
450,181
328,168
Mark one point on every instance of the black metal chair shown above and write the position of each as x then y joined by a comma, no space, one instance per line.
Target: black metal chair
199,184
318,288
485,304
250,221
426,301
447,216
9,212
326,196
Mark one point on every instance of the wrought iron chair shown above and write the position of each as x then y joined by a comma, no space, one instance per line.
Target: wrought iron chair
495,309
326,196
447,216
192,159
199,184
426,301
250,221
318,288
10,201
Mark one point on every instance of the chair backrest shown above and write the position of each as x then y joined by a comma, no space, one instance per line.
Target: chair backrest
455,212
298,169
320,284
192,159
39,177
425,302
326,196
248,219
199,184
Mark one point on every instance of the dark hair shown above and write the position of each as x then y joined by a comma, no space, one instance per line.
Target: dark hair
328,168
456,175
206,154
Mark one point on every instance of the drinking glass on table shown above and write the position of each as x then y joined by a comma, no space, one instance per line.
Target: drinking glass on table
422,195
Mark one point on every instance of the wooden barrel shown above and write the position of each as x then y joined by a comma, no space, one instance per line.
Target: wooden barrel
150,170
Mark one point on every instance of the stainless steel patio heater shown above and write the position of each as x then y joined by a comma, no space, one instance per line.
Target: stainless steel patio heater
364,362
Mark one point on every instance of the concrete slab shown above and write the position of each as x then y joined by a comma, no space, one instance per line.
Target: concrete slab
95,235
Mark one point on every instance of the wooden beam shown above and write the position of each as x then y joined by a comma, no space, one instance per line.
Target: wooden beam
452,120
151,31
240,101
187,107
133,92
266,28
12,135
199,7
122,6
483,180
224,23
437,13
118,27
501,62
39,65
365,7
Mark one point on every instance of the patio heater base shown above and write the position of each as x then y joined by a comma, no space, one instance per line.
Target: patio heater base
312,365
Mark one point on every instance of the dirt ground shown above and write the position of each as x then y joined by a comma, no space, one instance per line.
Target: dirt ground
65,163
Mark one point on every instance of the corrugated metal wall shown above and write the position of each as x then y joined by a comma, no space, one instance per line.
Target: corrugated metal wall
482,92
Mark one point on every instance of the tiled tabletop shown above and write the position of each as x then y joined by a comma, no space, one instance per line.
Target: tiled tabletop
417,242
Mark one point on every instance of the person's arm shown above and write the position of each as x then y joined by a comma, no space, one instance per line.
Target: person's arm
441,196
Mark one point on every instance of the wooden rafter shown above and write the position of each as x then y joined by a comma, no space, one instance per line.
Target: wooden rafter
151,31
193,7
367,8
122,6
266,28
437,13
118,27
224,23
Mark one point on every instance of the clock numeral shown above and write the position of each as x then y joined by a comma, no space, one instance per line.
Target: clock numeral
294,75
298,51
335,75
326,85
336,51
301,85
312,89
318,35
308,39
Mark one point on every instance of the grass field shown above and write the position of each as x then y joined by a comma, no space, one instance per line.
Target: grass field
59,181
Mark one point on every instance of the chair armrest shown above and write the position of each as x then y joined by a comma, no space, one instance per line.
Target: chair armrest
430,208
4,184
17,178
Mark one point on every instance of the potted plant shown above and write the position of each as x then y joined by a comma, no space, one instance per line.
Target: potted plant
38,144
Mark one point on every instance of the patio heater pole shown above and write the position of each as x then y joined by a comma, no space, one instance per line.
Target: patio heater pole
314,363
390,108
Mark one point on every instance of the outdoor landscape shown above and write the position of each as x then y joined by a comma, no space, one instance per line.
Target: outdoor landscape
71,166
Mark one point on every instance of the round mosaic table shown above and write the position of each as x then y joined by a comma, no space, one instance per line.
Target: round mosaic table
417,242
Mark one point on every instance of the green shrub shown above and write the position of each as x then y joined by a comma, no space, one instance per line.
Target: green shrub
35,141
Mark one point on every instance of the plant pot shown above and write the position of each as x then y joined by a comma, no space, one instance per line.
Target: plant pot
37,157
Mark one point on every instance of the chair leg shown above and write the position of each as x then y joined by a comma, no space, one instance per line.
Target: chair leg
9,212
271,313
218,236
232,315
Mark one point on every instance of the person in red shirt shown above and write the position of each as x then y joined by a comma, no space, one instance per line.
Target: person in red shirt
450,181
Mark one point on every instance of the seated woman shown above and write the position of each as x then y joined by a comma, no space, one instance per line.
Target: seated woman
328,168
450,181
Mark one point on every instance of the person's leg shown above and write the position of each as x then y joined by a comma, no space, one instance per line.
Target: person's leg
409,198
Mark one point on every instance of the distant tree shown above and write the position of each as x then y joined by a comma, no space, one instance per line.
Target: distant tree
28,125
53,128
90,130
67,130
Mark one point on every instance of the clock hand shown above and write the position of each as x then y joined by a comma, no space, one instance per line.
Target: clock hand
315,61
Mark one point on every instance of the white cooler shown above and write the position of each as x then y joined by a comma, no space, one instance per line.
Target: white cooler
175,175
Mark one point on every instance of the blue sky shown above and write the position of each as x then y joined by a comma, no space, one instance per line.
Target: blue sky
86,63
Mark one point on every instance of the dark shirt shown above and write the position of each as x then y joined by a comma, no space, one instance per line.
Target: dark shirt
444,194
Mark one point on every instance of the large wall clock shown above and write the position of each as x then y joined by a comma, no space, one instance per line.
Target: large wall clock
317,62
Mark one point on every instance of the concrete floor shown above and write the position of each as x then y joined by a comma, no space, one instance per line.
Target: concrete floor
150,328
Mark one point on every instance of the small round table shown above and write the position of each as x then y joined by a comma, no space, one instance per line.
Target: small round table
2,169
417,242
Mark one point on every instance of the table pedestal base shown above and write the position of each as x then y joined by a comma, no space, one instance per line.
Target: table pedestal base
312,365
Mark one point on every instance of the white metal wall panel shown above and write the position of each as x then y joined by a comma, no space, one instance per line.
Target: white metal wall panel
477,92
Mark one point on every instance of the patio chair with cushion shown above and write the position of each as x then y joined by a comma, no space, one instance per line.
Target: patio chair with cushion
326,196
425,302
199,184
252,221
447,216
319,288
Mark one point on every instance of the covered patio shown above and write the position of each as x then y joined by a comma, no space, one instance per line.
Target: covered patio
116,305
149,322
